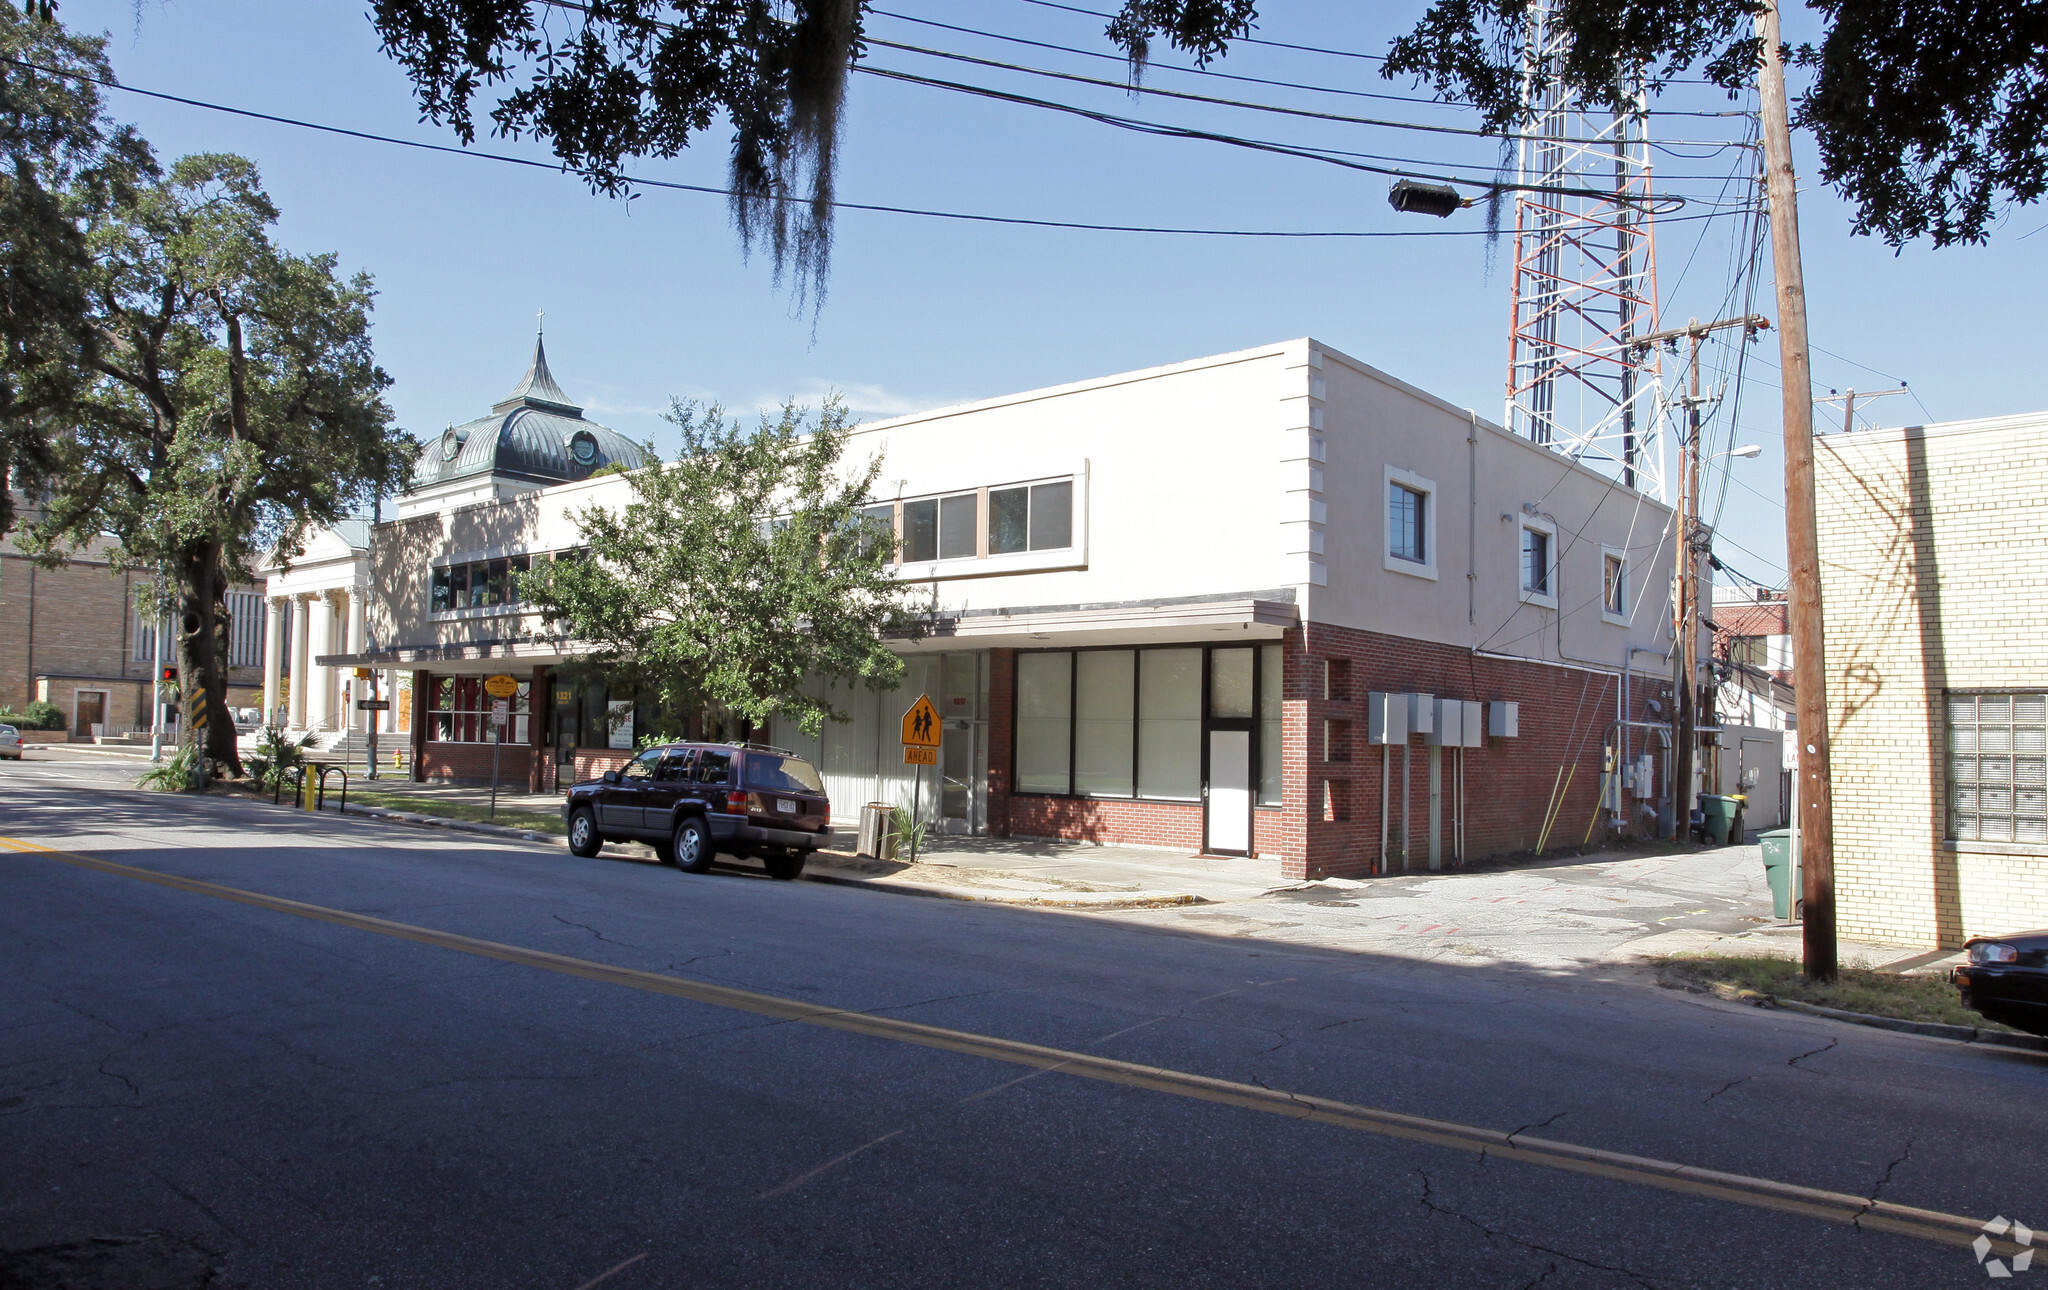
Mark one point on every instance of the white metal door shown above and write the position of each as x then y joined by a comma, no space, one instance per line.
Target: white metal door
1228,827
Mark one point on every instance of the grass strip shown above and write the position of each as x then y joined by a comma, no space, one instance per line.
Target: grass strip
443,808
1881,994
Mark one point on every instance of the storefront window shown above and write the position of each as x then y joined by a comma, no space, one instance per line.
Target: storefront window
1044,721
1270,694
1105,685
1170,724
461,712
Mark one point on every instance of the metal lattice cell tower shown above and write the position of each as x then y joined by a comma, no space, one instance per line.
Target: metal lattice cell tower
1585,277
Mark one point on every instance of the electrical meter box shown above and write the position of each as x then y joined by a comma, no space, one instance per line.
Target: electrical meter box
1421,713
1386,718
1504,719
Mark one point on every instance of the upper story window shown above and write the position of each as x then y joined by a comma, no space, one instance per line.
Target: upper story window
1009,520
1614,586
1407,523
1535,561
480,584
1039,517
1536,575
1410,523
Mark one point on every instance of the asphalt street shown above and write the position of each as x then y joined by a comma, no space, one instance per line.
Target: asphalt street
432,1072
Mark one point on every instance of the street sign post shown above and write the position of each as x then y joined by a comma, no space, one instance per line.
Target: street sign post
501,686
920,749
373,705
501,715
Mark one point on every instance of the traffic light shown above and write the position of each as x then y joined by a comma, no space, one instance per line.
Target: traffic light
169,674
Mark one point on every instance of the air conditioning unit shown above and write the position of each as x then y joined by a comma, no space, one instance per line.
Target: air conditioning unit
1386,718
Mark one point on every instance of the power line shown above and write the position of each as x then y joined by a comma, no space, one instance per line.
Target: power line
1119,59
1188,97
672,185
1247,40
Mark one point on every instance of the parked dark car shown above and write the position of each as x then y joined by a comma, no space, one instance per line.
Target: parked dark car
2006,979
694,801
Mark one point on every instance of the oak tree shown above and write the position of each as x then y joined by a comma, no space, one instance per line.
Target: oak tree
736,572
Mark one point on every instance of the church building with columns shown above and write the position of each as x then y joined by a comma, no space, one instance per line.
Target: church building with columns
338,649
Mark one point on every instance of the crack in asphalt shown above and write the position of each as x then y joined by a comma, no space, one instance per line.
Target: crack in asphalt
1537,1125
677,967
1794,1062
569,922
1725,1087
1429,1203
1878,1190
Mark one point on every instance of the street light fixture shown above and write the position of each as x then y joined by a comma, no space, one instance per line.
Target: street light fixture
1746,450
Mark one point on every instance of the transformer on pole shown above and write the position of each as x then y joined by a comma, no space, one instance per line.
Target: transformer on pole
1585,274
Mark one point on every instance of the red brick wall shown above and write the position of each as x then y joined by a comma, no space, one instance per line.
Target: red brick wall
471,763
1565,721
1566,718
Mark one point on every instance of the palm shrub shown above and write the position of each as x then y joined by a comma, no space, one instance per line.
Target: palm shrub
174,773
275,756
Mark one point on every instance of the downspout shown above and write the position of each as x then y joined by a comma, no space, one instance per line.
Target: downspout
1472,521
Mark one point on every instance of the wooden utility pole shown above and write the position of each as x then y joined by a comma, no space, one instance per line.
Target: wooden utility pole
1691,545
1802,530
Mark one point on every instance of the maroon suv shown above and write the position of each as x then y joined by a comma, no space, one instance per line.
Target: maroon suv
692,801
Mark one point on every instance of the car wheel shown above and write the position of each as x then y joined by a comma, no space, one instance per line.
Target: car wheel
785,867
691,847
583,836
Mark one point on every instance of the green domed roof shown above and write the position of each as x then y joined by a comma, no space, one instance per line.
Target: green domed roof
535,434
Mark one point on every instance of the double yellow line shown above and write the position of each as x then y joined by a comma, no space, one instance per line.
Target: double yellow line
1740,1189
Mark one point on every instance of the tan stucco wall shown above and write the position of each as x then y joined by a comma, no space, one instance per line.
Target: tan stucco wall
1933,542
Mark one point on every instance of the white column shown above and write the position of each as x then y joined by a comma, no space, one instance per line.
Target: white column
387,687
357,639
273,656
302,637
319,677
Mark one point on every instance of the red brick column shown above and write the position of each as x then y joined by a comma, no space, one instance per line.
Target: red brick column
422,701
539,707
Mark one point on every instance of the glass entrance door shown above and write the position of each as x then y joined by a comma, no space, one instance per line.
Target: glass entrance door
1227,796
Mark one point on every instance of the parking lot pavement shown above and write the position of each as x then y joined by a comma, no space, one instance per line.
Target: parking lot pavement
1557,914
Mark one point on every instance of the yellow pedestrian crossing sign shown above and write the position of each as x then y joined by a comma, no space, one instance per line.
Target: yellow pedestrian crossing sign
921,724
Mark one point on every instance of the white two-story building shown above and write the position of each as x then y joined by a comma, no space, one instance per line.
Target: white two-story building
1273,602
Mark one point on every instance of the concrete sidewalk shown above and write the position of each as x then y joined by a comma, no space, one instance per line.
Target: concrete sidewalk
1010,871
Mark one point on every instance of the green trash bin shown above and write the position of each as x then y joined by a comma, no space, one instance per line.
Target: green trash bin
1719,813
1781,871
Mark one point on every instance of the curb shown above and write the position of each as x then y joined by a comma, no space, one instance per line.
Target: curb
1929,1029
415,819
1932,1029
1112,900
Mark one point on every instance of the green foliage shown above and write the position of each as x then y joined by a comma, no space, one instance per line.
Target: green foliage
276,756
59,161
174,773
642,78
208,398
908,832
39,715
736,572
1758,978
1927,116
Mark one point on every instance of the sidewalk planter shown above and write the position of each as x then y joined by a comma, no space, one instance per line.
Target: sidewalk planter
1780,870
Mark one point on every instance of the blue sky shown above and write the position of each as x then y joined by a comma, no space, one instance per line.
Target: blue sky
650,299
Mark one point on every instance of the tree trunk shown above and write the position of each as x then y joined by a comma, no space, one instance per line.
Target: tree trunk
202,665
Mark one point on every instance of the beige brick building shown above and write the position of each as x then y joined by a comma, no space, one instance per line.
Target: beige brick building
1933,541
74,636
